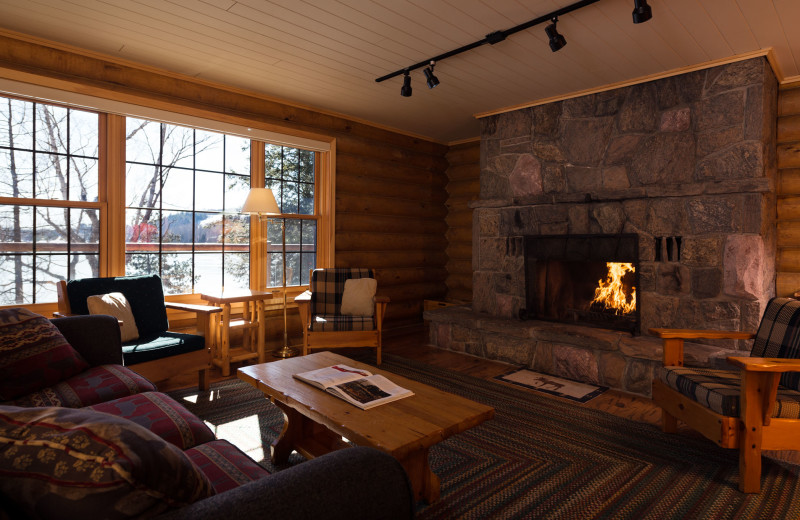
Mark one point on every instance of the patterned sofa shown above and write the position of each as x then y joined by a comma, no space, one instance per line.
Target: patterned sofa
81,436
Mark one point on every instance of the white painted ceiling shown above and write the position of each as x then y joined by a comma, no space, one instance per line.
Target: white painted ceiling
326,54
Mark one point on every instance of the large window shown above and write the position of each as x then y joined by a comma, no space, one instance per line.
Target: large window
290,174
184,188
49,210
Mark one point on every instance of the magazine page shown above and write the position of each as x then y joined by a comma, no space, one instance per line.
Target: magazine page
332,375
369,392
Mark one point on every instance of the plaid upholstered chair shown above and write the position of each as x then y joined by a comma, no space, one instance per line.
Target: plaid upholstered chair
751,409
340,309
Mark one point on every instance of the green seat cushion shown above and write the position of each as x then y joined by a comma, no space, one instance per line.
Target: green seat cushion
157,347
144,293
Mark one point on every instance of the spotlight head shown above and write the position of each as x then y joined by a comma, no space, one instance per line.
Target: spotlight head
641,11
430,78
557,41
405,90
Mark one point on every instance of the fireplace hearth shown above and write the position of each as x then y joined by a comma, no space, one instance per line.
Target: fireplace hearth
582,279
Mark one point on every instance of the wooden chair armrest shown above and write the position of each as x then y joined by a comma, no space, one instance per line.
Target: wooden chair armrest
192,307
304,297
759,364
700,333
382,299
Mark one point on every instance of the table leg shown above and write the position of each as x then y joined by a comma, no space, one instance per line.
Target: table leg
247,316
423,480
226,339
303,435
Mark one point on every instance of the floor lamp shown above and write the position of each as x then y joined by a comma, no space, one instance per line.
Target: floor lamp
261,201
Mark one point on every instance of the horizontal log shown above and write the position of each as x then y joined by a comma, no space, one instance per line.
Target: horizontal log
459,250
409,275
372,204
459,234
384,259
355,145
464,172
787,284
788,233
357,164
459,281
461,266
369,185
789,102
467,189
789,260
789,128
789,155
412,292
788,208
464,153
789,181
458,218
366,241
459,295
347,222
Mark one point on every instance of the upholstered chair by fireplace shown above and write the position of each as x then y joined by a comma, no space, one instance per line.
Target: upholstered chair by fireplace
753,408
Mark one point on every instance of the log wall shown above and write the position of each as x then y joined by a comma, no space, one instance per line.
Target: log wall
463,186
390,187
788,190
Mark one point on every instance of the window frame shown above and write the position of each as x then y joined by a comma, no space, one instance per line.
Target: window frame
112,111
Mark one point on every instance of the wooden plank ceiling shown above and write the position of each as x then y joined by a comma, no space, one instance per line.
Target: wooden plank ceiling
326,54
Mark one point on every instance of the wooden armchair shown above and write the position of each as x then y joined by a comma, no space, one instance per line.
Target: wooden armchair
157,353
324,326
751,409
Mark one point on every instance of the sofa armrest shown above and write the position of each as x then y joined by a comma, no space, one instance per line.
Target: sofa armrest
95,337
348,484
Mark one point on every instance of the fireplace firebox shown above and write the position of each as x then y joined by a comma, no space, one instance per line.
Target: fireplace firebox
583,279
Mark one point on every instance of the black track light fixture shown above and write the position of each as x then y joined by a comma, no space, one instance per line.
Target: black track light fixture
405,90
641,11
557,41
430,79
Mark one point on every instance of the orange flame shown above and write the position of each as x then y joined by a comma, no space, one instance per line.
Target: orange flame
611,292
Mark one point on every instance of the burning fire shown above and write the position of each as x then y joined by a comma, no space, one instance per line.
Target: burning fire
611,293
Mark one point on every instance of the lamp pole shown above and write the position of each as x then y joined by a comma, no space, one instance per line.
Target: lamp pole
286,351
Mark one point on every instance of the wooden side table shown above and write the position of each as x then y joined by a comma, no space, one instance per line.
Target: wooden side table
252,324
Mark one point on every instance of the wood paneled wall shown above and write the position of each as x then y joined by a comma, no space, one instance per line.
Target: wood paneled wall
788,191
463,186
390,187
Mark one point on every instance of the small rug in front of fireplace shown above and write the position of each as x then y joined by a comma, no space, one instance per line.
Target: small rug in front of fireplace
573,390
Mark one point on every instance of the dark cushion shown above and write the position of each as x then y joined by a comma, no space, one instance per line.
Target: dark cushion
33,354
225,465
719,390
162,415
68,463
144,293
164,345
778,336
92,386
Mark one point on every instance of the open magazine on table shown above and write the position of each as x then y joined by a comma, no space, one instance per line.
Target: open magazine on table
356,386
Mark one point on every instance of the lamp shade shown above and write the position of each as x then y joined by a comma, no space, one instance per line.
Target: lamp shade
260,201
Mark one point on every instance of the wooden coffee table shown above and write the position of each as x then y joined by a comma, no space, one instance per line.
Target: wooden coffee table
316,421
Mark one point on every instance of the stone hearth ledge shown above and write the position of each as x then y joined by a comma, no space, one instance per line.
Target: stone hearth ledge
590,355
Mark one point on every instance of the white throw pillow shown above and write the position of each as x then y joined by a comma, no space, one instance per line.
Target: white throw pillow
115,304
358,298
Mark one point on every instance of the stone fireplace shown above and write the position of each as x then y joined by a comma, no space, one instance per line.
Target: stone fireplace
685,165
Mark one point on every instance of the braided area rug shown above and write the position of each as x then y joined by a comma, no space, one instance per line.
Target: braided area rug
542,458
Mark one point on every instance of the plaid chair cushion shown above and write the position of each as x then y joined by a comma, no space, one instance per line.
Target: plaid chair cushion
95,385
331,322
778,336
225,465
327,286
719,390
162,415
